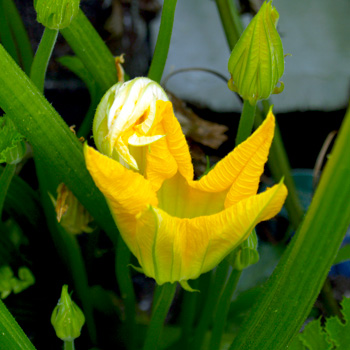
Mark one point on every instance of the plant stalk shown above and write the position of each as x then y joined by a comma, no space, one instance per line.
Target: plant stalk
162,302
163,41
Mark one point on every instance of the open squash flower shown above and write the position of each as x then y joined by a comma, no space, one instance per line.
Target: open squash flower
177,228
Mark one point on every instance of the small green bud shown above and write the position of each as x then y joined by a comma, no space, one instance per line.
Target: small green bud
257,62
56,14
67,318
246,254
12,145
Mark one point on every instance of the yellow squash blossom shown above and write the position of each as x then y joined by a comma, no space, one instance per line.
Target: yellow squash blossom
177,227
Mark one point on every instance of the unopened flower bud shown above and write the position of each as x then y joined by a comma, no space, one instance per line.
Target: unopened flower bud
67,318
124,118
257,62
57,14
246,254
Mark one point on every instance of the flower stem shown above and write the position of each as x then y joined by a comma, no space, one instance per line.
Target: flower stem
68,345
210,304
5,180
42,57
246,122
163,41
222,310
230,20
165,294
127,290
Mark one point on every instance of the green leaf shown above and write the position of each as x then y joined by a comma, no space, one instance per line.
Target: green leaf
11,334
343,255
12,146
314,337
338,332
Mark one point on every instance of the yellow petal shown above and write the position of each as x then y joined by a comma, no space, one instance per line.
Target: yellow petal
174,249
127,192
239,172
179,199
171,154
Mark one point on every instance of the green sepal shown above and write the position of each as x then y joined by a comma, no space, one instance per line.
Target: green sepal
56,14
186,286
12,145
138,269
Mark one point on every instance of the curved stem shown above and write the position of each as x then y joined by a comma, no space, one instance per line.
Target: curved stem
42,57
127,291
165,294
5,180
246,122
222,310
163,41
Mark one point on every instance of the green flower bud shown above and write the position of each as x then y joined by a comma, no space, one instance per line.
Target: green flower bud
257,62
121,106
246,254
12,145
67,318
56,14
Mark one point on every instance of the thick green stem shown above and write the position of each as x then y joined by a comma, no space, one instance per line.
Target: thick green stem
163,41
222,310
42,57
68,345
127,291
5,180
290,292
246,122
230,20
92,51
165,295
210,304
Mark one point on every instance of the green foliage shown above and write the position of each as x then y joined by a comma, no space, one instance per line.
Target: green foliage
12,145
10,283
334,334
